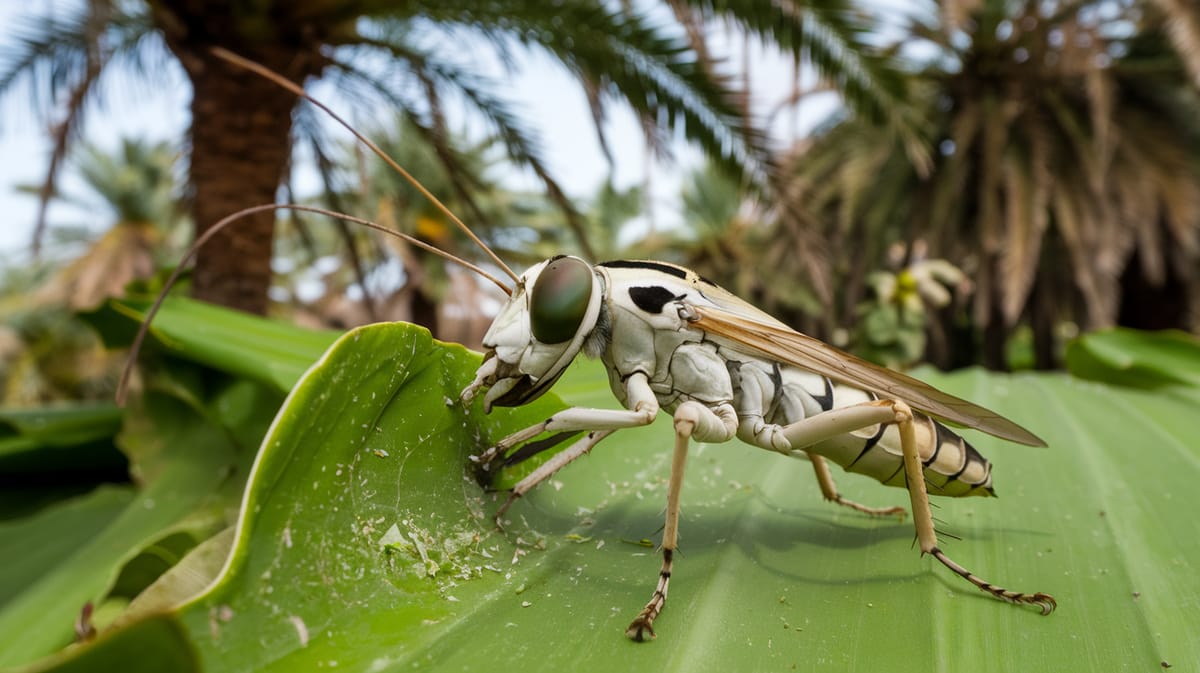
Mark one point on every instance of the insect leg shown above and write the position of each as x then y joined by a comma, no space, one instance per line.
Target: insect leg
548,468
923,520
836,422
643,407
692,419
829,490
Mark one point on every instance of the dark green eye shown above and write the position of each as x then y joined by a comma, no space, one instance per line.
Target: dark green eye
560,299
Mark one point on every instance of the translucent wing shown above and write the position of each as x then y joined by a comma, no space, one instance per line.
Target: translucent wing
774,341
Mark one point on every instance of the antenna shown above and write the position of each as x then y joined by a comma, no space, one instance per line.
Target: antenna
144,328
267,73
286,83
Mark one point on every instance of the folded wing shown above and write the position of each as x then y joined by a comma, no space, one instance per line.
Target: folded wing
777,342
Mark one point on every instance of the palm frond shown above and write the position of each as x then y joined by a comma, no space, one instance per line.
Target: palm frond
841,42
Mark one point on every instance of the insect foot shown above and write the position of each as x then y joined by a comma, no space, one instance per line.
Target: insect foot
641,628
508,502
1045,602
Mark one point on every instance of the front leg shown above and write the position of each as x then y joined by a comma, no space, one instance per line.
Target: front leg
547,469
692,419
643,407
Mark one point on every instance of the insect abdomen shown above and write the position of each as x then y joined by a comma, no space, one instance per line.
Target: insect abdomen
952,466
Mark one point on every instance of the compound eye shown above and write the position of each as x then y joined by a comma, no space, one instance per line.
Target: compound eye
559,300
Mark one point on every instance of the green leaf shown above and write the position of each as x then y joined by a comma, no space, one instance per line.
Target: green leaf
365,542
186,453
34,545
1134,358
151,645
267,351
68,437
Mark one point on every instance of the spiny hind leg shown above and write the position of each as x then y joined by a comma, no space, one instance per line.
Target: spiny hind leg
692,419
923,519
830,492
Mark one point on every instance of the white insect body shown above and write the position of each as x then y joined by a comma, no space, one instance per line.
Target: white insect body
673,341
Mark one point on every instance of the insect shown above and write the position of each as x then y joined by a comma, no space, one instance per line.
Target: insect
674,342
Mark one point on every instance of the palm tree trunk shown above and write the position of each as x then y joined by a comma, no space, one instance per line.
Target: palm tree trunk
1153,306
1042,319
240,150
239,136
995,340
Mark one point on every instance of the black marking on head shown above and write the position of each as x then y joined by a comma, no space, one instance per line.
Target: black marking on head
638,264
652,299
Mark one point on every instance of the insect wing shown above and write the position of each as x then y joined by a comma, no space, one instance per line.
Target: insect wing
787,346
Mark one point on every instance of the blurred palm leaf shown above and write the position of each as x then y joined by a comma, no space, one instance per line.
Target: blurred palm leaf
1066,168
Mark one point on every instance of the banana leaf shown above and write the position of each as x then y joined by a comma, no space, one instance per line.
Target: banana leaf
365,542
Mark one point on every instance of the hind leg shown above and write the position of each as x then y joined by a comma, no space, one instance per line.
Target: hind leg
923,520
830,492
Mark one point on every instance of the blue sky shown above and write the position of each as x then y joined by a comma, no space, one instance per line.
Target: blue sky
563,120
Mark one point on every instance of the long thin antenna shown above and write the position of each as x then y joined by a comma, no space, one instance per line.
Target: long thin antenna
143,329
286,83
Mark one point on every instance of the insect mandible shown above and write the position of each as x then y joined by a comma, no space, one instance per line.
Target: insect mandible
672,341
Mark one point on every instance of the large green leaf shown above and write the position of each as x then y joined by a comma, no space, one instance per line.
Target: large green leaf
189,440
75,437
186,454
364,542
268,351
1133,358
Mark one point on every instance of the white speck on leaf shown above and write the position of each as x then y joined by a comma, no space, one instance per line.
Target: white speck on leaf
301,629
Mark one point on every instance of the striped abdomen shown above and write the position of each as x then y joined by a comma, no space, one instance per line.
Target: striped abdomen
952,466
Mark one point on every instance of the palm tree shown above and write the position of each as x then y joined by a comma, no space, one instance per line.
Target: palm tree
408,56
1067,163
47,352
731,236
141,186
1181,21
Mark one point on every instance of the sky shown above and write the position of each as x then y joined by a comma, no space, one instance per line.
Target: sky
562,118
